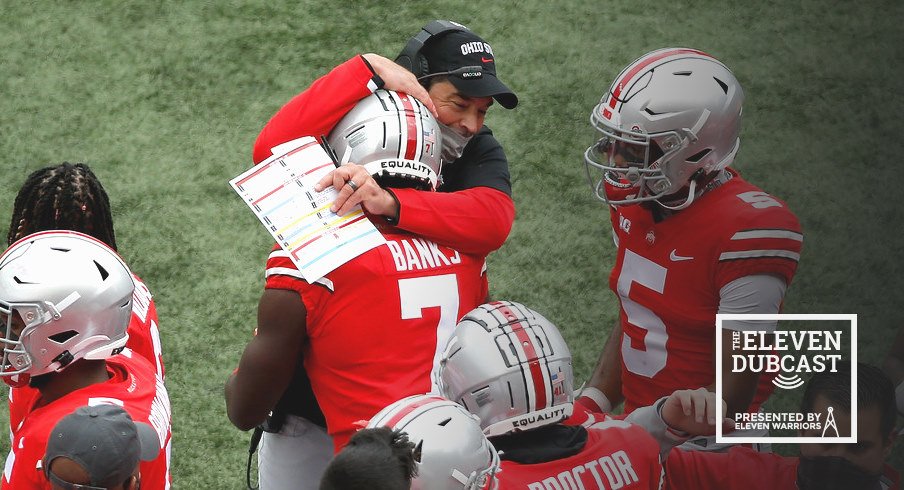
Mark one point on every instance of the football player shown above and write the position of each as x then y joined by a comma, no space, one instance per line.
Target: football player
65,304
450,450
694,238
820,466
370,331
377,458
472,212
69,196
511,367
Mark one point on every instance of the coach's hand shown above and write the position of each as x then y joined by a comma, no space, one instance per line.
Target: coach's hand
356,186
694,412
399,79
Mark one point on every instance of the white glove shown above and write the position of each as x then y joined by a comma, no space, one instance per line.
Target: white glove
598,397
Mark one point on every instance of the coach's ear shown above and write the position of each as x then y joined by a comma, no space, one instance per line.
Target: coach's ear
889,441
133,483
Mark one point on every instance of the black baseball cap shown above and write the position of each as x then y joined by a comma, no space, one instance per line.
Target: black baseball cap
464,48
104,440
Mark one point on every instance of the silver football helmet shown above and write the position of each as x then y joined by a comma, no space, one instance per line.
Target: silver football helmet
392,135
671,117
510,366
450,449
64,296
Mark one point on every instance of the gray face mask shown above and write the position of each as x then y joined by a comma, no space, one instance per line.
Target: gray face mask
453,144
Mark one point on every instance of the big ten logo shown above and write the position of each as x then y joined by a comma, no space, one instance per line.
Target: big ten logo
624,224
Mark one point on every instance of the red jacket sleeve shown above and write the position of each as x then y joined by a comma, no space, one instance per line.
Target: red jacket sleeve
315,111
472,221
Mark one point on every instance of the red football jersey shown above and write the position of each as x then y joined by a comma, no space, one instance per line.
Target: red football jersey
668,275
378,324
144,335
133,385
617,455
741,468
144,340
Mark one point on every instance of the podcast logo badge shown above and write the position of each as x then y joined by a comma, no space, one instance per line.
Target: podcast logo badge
788,349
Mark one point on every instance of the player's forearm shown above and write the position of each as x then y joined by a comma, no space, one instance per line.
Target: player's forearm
269,360
473,221
316,110
251,395
243,416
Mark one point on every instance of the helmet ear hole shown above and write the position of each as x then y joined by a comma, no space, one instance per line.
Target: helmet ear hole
696,157
63,337
103,272
419,451
722,84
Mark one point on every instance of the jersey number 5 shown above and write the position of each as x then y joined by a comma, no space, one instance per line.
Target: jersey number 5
643,271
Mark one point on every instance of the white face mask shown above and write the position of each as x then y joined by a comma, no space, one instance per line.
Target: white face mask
453,144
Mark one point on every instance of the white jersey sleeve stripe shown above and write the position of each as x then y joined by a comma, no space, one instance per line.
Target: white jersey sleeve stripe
284,271
788,234
279,253
323,281
759,254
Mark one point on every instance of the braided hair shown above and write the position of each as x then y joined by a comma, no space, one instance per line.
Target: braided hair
67,196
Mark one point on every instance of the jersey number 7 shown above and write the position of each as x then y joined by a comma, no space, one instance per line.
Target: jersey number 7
418,293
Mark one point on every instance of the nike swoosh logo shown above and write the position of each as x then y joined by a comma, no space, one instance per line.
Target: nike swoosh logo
677,258
485,60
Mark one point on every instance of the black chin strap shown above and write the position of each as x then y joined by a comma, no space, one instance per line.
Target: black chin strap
703,182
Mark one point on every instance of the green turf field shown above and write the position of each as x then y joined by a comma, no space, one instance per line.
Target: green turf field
164,101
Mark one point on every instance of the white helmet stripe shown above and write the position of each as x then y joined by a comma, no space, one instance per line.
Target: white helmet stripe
536,373
400,117
419,131
412,131
626,79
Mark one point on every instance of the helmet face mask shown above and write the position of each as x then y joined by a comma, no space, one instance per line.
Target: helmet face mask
670,118
18,321
510,366
631,159
64,296
394,137
451,451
